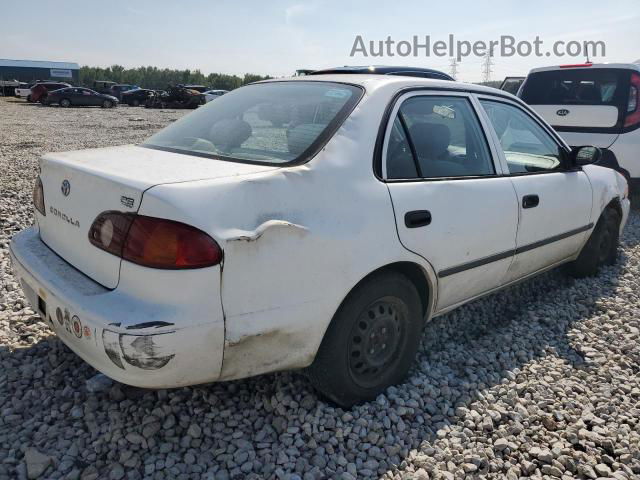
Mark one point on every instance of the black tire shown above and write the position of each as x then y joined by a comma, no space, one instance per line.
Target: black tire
135,103
65,102
29,98
107,104
371,342
601,248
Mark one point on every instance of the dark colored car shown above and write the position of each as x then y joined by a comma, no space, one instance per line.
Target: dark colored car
386,70
136,97
81,97
197,88
103,86
40,91
118,90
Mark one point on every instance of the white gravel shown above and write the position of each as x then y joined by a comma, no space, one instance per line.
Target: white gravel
541,380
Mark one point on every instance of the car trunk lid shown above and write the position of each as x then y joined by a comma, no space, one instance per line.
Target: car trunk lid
80,185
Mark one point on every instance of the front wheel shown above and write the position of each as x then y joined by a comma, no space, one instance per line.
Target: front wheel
601,248
371,341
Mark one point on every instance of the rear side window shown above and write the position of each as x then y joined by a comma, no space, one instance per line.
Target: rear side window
270,123
442,136
583,86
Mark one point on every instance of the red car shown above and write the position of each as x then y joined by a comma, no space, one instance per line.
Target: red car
40,91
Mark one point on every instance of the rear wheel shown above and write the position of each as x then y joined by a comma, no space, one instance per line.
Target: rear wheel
65,102
371,342
135,103
601,248
107,104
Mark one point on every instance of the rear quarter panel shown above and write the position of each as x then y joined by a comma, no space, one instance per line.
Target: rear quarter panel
295,240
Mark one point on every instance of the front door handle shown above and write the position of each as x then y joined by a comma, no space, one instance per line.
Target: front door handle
530,201
417,218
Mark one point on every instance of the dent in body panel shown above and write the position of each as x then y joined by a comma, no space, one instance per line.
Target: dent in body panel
252,236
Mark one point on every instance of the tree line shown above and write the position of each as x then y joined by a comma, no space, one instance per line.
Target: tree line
160,78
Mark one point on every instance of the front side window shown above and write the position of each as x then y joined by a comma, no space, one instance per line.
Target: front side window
271,123
527,147
443,137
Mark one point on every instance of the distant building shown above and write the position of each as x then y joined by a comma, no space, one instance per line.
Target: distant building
30,70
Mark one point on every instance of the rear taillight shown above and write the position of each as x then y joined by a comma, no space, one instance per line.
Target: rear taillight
632,117
154,242
38,197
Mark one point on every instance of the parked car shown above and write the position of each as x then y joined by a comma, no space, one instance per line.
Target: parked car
342,231
596,104
213,94
136,97
80,97
384,70
175,97
40,91
197,88
118,90
103,86
23,90
512,84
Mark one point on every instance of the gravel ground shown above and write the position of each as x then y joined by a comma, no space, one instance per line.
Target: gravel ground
541,380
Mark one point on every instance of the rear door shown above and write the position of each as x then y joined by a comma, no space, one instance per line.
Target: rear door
586,105
452,205
554,199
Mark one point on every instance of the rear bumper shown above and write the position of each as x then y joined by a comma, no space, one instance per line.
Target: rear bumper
145,343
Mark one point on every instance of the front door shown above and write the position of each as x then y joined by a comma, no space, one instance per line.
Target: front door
554,199
453,207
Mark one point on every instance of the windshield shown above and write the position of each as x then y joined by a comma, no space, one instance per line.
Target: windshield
271,123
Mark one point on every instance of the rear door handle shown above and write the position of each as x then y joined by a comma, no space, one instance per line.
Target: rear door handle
530,201
417,218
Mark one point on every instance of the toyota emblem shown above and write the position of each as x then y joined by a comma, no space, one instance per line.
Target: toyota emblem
562,112
66,188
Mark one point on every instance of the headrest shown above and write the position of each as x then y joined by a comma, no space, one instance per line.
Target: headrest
430,139
229,133
589,93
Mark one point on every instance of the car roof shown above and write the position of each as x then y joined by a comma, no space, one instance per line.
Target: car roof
578,66
380,70
396,82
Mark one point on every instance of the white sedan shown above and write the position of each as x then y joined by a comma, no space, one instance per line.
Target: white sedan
312,223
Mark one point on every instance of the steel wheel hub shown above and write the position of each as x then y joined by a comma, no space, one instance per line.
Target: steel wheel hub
374,341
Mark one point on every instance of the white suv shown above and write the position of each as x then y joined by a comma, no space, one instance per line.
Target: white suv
592,104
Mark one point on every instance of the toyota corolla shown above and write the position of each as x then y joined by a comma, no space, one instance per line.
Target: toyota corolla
315,223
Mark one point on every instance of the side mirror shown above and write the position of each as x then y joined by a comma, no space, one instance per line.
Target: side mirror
586,155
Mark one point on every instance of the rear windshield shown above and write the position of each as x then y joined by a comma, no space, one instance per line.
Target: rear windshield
575,87
271,123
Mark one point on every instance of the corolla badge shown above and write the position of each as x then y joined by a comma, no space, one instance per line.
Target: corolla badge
65,188
563,112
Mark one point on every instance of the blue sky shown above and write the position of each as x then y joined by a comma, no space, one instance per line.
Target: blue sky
276,37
